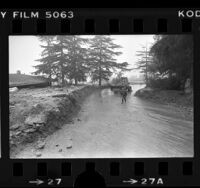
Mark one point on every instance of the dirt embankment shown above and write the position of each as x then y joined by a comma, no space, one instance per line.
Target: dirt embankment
36,113
178,99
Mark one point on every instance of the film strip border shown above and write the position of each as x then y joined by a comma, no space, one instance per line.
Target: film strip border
114,172
102,21
91,26
175,172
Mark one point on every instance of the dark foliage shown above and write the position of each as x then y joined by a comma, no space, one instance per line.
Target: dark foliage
171,63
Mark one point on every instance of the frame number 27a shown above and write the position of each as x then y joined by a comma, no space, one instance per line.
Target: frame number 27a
151,181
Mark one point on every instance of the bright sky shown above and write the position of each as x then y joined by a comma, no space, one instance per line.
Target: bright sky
24,50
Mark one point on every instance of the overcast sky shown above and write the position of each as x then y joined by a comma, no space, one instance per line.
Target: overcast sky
24,50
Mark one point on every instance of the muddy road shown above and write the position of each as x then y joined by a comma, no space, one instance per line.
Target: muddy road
106,128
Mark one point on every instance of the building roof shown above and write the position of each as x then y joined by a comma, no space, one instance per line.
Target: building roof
16,80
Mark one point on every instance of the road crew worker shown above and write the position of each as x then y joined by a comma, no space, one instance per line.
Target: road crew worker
123,93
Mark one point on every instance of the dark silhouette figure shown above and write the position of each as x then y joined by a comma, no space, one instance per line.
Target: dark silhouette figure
123,93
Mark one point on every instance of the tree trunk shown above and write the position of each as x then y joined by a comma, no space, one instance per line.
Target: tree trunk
62,75
63,80
62,68
99,81
99,74
100,67
50,82
76,81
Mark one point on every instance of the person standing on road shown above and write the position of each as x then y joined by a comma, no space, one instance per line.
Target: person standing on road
123,93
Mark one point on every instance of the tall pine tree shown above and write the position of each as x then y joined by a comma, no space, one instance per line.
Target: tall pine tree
102,58
77,59
60,57
74,57
46,67
144,62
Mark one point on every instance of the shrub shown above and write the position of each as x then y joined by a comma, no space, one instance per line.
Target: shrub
171,83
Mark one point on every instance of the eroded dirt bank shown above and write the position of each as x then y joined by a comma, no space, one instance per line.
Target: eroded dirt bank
36,113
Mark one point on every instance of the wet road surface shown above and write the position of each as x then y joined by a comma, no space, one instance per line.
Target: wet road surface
105,128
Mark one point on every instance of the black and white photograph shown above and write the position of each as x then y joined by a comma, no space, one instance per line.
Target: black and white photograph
101,96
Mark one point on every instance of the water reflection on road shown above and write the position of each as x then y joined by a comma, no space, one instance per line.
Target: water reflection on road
138,128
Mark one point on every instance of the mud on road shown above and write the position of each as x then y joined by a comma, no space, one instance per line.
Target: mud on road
105,128
37,113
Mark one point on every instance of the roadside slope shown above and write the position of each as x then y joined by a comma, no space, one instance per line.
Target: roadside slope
36,113
178,99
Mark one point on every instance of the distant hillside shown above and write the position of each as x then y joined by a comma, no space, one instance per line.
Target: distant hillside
17,80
